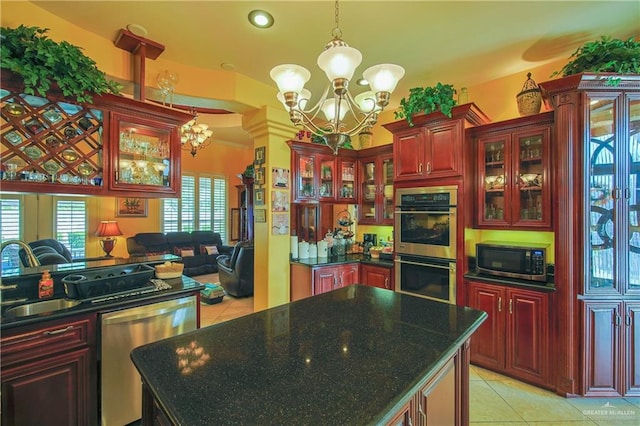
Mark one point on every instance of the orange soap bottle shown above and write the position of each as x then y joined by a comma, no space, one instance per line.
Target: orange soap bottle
45,288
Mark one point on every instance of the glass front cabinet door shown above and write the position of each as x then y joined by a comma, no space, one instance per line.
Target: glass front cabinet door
143,156
514,179
613,191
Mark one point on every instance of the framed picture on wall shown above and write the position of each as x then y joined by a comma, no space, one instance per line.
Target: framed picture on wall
258,196
260,176
279,201
280,178
260,215
259,158
131,207
280,224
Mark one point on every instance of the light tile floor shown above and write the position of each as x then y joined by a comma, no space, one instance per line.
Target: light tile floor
230,307
499,400
494,400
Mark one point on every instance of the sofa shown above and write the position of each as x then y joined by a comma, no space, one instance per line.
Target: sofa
236,270
199,250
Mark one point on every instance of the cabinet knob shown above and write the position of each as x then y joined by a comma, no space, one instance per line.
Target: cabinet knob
499,304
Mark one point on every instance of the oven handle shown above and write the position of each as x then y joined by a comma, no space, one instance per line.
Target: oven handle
430,265
451,211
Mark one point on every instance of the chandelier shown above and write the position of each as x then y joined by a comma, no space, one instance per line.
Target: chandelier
339,62
194,136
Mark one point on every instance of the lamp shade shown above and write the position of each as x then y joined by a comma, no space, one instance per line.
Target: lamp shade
108,228
383,77
329,108
290,77
339,62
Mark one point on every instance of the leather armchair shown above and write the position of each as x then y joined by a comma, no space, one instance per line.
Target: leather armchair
236,271
48,252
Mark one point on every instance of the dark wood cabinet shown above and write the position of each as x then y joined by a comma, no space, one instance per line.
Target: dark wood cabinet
329,278
433,147
49,373
376,186
347,186
514,176
312,280
596,153
376,276
144,150
488,342
613,348
116,146
310,222
515,338
313,172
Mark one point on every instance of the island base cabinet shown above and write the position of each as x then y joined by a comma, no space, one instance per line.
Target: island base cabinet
612,349
443,399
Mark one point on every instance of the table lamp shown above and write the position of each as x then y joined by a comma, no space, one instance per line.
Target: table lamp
108,228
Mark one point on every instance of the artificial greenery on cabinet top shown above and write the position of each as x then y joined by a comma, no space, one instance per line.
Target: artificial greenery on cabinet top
427,100
605,55
43,63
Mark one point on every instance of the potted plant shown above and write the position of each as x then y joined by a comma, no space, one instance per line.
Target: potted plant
606,55
248,175
427,100
43,63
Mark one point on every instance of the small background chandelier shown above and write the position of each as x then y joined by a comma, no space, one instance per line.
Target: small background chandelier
194,136
339,62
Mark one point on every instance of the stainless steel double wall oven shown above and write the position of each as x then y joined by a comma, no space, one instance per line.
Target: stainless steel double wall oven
425,242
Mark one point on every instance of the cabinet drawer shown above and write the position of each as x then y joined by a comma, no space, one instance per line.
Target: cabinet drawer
31,342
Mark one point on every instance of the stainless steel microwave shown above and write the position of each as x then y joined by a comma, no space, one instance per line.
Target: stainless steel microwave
523,261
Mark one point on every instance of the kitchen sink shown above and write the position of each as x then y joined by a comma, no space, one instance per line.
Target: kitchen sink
40,307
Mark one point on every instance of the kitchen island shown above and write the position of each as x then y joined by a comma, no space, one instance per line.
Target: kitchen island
356,355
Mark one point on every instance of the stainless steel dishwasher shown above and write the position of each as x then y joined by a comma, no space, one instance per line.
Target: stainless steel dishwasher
124,330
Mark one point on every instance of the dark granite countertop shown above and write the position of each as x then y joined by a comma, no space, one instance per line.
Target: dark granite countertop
85,264
349,356
179,286
338,260
546,287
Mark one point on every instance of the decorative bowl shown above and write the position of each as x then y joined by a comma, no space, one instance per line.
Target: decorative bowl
531,180
375,252
494,182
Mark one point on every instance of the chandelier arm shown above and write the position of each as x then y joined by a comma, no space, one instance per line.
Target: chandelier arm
318,106
310,125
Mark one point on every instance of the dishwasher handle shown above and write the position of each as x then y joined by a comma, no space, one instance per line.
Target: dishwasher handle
147,311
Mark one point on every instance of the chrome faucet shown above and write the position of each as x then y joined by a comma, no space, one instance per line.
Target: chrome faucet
32,260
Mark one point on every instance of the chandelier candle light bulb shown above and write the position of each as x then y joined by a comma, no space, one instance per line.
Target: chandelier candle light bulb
339,62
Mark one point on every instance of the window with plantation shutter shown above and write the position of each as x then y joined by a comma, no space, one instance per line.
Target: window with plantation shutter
219,209
203,206
170,208
188,210
205,197
71,225
10,224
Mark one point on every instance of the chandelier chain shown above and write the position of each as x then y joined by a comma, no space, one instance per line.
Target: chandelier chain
337,33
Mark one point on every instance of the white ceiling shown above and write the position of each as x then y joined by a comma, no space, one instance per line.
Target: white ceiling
463,43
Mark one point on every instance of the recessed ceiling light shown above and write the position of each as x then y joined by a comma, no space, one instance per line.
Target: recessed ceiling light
362,82
137,29
260,18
